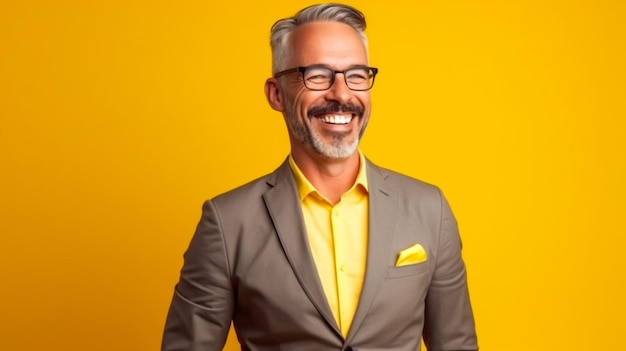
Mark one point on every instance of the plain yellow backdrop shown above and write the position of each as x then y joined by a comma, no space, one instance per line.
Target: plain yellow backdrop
119,118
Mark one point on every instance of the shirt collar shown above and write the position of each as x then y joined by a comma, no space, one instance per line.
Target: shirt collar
305,187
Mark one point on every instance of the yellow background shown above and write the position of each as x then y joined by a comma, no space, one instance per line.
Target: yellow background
119,118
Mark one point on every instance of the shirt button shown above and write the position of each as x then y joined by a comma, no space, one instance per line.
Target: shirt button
342,268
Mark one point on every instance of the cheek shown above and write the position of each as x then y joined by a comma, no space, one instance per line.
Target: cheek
364,99
304,100
367,109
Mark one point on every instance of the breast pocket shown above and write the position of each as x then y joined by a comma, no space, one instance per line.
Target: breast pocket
407,271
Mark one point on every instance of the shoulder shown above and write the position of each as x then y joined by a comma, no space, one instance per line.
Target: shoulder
253,191
402,184
253,188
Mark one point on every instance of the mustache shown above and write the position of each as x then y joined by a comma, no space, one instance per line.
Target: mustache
335,107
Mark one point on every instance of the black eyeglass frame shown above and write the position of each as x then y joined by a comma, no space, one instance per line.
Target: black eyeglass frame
302,70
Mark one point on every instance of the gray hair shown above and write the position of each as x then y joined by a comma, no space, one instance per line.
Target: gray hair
282,29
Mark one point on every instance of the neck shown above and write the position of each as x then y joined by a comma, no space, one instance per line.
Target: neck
331,177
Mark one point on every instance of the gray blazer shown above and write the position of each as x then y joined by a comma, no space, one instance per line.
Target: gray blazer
249,262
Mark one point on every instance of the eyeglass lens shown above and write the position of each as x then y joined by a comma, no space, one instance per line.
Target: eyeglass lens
322,78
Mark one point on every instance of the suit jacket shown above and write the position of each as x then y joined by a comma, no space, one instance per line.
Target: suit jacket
249,262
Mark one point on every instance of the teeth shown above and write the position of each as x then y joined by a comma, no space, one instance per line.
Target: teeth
337,119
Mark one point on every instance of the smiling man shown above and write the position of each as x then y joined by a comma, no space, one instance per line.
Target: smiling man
328,252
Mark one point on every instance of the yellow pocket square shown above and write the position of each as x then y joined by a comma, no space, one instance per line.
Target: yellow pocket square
412,255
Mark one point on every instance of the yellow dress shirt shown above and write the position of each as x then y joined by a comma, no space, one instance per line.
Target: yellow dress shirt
338,236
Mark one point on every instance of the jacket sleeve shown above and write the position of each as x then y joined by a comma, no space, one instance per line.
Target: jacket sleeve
449,322
201,310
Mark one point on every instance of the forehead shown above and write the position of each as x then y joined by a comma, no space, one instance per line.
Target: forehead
330,43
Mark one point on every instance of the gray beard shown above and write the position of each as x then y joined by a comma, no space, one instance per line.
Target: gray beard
339,148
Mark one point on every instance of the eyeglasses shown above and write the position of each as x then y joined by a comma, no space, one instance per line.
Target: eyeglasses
318,78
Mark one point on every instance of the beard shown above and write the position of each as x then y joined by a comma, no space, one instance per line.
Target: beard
341,145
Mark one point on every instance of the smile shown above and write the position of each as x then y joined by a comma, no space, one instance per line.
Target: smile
336,119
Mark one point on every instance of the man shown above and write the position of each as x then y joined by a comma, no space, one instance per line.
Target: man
328,252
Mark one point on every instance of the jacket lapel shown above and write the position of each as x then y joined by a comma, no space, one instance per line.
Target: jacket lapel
382,212
285,211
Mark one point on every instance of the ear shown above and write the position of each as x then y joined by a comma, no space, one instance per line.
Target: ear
273,94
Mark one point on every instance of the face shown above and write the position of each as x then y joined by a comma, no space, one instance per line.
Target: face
328,123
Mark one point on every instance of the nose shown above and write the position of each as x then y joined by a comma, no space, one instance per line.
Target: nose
339,91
